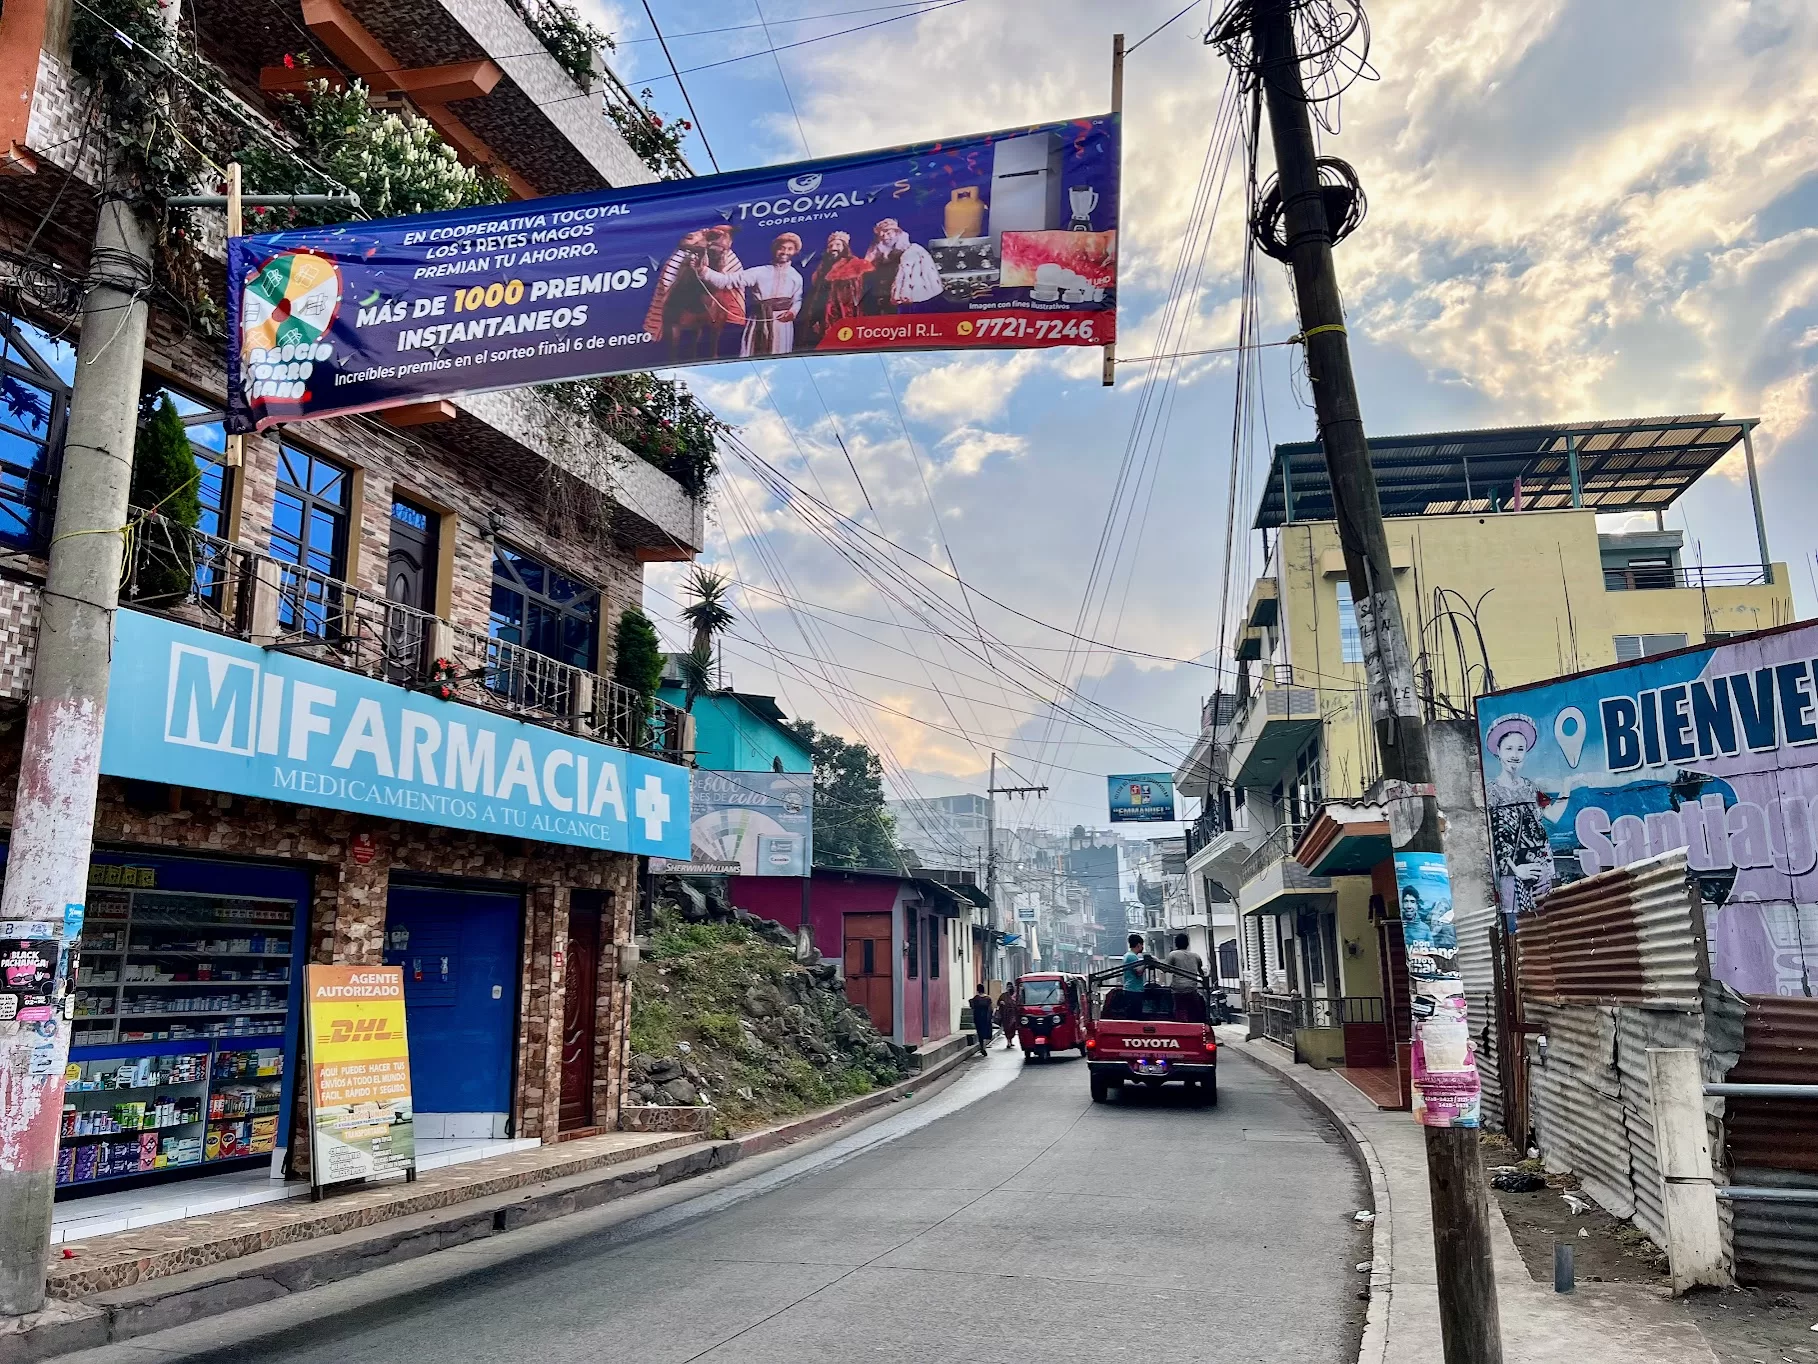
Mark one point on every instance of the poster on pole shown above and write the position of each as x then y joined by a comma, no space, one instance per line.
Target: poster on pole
360,1116
1443,1059
1143,798
1003,240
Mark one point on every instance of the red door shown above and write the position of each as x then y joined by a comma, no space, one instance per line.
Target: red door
868,963
579,1006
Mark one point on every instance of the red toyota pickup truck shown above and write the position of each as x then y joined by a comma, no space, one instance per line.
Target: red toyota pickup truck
1154,1036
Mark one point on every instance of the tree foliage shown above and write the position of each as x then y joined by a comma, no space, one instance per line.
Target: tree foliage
396,164
851,827
164,481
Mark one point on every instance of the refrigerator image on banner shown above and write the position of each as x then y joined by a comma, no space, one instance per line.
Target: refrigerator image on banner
1025,185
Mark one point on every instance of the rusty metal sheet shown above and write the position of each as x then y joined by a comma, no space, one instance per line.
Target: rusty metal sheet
1633,935
1780,1046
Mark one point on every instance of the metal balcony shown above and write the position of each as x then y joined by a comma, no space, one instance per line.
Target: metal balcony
1270,881
231,589
1270,727
1660,577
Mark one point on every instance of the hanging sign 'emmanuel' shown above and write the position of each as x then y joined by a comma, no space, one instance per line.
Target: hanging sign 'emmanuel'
1000,240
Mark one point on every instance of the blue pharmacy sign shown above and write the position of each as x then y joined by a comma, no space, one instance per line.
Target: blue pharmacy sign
194,709
996,240
1144,798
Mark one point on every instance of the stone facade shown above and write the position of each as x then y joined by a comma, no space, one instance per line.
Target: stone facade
347,902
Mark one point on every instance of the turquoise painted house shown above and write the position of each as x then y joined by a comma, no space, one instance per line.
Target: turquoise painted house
738,731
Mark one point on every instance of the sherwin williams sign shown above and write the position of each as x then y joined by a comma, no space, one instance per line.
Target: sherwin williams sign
996,240
1713,750
194,709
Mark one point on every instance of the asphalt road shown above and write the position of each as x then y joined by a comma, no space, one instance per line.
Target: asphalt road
1027,1225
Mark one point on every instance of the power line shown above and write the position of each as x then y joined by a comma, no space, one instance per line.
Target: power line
657,29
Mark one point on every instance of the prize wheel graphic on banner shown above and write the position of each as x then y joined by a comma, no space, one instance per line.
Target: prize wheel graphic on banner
286,310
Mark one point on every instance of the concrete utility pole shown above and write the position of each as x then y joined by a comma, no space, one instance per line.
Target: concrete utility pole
1469,1321
54,815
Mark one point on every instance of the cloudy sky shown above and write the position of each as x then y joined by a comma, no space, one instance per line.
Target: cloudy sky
1578,209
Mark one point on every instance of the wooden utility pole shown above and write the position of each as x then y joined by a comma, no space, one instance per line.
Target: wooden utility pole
992,792
1469,1321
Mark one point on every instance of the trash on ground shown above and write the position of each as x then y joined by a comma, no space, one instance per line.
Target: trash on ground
1518,1181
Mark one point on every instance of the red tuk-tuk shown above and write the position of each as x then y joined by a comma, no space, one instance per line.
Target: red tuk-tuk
1052,1013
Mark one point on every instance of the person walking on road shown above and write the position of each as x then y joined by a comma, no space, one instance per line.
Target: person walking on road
982,1009
1006,1015
1181,959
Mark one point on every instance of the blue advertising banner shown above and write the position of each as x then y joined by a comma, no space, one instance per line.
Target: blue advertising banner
1713,750
193,709
1145,798
999,240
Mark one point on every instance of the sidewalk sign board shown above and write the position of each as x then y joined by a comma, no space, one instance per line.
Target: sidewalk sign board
360,1118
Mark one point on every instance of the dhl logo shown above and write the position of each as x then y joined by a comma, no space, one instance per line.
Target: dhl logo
343,1030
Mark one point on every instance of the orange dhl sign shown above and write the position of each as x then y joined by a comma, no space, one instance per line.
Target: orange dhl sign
373,1029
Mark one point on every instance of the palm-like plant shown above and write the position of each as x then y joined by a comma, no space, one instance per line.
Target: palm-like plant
708,614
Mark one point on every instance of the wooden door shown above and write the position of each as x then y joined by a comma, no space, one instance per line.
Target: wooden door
868,968
580,1004
410,579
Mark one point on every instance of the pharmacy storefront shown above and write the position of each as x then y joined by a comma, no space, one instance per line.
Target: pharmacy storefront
457,825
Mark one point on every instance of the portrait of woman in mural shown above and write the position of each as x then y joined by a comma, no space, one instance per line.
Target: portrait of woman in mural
1519,850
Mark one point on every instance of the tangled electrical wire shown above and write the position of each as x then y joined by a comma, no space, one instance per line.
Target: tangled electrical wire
1339,189
1332,38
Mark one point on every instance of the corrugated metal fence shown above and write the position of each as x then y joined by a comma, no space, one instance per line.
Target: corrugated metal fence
1610,967
1774,1143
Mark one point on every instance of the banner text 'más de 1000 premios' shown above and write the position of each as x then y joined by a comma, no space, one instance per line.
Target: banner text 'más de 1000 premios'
999,240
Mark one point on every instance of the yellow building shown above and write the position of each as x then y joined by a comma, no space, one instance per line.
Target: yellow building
1504,578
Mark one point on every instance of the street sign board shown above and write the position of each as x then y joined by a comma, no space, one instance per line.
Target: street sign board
1142,798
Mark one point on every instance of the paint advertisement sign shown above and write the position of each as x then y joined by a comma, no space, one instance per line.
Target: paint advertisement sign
753,823
1713,750
359,1073
1142,798
1443,1059
992,241
195,709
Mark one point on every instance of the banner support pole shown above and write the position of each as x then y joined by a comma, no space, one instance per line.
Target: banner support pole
236,445
1117,107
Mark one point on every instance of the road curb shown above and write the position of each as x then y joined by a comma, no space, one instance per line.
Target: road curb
1375,1346
118,1315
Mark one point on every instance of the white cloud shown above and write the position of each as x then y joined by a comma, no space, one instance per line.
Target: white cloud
969,447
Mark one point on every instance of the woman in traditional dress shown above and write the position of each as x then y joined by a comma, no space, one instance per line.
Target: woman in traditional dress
1519,849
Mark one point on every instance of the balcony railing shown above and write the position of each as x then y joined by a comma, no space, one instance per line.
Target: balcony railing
1208,826
1282,1014
1278,845
231,589
1643,578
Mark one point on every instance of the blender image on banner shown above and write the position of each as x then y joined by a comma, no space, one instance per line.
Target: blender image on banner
286,309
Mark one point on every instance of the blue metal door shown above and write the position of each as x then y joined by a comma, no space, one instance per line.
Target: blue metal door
459,951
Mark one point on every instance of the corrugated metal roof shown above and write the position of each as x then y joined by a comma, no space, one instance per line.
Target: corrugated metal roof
1628,464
